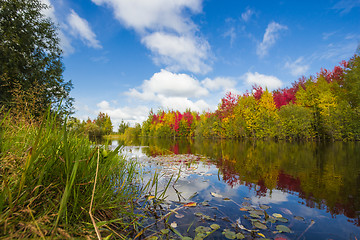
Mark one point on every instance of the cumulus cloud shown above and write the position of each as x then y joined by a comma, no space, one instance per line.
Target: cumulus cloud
168,84
270,37
128,114
166,29
174,91
80,28
178,52
298,67
219,83
265,81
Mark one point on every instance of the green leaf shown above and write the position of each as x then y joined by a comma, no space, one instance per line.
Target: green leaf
164,231
215,226
240,236
229,234
260,225
283,228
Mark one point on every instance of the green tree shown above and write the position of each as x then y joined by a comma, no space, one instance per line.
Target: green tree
103,121
122,127
31,65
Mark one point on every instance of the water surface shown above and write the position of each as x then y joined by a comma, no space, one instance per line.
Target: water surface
314,186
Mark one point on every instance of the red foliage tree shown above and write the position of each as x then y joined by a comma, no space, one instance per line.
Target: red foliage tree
227,105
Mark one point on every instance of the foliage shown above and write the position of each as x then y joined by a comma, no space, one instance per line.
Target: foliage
122,127
47,175
30,60
323,107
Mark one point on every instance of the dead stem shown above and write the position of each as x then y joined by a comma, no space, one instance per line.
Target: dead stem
92,198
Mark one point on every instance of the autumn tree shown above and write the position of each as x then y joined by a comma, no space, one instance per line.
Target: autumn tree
31,68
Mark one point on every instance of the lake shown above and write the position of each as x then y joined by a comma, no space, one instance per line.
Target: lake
253,189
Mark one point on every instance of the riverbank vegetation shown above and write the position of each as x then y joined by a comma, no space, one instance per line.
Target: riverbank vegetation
325,106
55,182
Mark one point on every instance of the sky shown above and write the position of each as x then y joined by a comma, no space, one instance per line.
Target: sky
128,57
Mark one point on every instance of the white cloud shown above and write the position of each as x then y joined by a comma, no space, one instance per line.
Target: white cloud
168,84
219,83
265,81
297,68
128,114
182,104
247,15
166,29
80,28
178,52
270,37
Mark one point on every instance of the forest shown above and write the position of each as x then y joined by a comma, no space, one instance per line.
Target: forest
325,106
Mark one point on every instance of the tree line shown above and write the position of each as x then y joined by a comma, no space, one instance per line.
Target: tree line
325,106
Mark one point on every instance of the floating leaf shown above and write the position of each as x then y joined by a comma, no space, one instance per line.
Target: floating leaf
198,214
173,224
299,218
277,215
206,217
240,236
254,215
283,228
215,226
205,203
246,204
179,215
190,204
202,229
150,197
261,235
229,234
260,225
186,238
216,195
257,212
164,231
226,199
244,209
247,199
264,207
282,219
271,219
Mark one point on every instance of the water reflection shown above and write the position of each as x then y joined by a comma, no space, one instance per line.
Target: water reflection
324,175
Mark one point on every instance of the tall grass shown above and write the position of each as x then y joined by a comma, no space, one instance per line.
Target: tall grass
48,176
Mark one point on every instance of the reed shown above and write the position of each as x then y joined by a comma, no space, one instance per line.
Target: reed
48,189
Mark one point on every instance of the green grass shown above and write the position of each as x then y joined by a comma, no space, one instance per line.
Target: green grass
48,189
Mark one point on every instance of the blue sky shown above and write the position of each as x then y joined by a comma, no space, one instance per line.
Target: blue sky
126,57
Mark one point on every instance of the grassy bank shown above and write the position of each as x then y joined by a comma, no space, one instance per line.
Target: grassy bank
55,183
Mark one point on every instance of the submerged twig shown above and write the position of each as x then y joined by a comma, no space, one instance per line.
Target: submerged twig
92,198
312,223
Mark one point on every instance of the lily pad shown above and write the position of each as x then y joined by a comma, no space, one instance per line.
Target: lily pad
214,226
164,231
229,234
254,215
282,219
205,203
257,212
202,229
186,238
260,225
264,207
283,228
198,214
240,236
299,218
277,215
